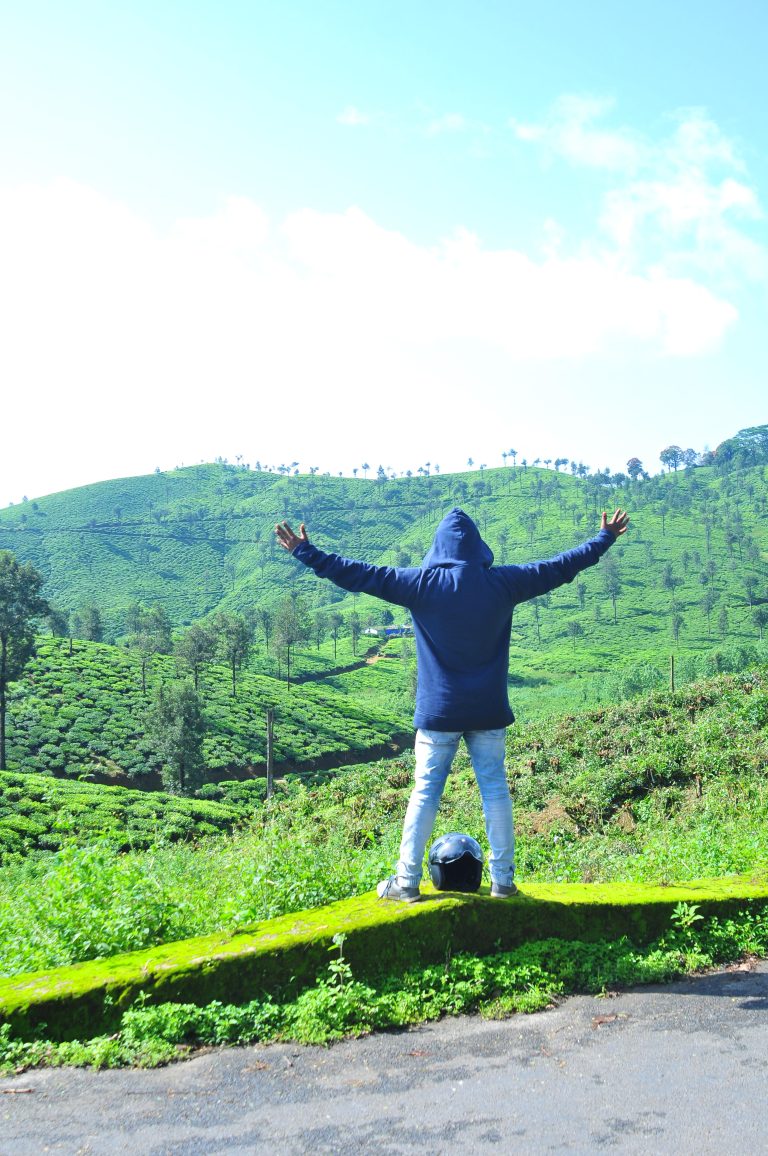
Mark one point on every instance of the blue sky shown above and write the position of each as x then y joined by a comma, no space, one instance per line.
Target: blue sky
336,232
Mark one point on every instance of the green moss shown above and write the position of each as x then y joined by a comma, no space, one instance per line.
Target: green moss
285,955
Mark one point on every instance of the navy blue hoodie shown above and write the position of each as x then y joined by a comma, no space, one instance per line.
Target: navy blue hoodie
461,605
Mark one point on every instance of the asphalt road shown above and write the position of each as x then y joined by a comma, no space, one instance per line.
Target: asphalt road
676,1069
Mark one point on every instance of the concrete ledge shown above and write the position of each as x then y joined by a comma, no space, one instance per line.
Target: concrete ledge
279,957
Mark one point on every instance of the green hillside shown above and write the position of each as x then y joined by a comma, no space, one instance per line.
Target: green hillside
614,777
689,580
40,813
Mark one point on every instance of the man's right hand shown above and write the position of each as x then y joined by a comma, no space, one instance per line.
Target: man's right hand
617,524
286,537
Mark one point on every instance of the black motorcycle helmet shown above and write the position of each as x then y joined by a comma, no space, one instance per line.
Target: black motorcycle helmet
456,862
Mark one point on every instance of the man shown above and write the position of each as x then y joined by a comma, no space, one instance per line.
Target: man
461,606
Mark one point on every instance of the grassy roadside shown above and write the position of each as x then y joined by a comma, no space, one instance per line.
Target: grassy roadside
529,978
668,787
665,788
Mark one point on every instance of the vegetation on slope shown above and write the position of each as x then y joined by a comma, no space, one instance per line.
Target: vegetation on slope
39,813
691,577
670,787
662,787
526,979
84,712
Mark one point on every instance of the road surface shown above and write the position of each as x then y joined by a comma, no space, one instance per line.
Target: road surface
681,1068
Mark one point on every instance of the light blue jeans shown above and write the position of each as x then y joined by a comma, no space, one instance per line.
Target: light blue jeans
435,752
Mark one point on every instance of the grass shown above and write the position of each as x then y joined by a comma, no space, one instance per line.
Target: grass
668,787
643,786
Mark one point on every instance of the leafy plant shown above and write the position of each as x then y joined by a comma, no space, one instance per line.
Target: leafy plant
685,915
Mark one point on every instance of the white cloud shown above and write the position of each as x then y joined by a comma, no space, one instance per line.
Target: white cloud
699,141
569,131
574,129
230,288
353,116
681,202
241,226
450,122
116,335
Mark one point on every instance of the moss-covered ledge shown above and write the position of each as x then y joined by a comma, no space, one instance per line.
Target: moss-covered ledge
281,956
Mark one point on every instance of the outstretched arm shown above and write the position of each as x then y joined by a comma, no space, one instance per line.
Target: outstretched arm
393,584
539,577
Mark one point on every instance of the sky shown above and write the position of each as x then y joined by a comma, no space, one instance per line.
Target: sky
322,233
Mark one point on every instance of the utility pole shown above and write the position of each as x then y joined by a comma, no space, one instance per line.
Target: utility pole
270,749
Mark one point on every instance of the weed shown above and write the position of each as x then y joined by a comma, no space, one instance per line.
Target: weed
685,916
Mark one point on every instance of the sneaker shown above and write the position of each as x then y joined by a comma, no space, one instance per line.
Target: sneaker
499,891
391,889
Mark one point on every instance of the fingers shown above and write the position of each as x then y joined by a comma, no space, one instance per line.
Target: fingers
286,536
618,523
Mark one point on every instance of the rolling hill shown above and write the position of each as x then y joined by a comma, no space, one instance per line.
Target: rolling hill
690,580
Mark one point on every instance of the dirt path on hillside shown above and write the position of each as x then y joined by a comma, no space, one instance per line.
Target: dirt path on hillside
368,659
391,749
388,750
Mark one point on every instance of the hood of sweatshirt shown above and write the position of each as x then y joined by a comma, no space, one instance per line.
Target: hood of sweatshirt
457,541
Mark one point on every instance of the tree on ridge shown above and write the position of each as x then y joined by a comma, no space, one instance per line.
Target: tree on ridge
672,457
234,639
21,604
175,728
195,648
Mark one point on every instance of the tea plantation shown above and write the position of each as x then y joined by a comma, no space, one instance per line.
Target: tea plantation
690,578
39,813
83,712
616,777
